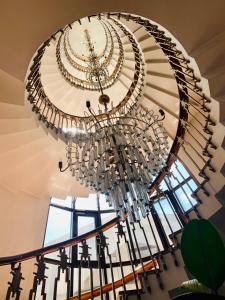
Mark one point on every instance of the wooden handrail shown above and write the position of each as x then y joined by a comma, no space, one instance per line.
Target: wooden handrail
108,287
52,248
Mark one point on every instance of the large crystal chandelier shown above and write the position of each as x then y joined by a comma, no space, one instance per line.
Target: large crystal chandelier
120,157
120,154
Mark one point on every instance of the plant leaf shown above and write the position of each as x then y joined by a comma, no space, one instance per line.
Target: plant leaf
204,253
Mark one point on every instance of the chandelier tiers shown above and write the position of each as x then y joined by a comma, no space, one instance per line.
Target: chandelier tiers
119,157
85,63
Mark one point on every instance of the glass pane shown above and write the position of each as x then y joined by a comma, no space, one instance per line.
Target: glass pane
171,215
167,216
176,178
58,229
163,186
189,194
63,202
192,185
58,226
172,181
89,203
183,199
182,169
86,224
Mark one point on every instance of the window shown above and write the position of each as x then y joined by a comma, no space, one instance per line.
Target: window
182,185
167,215
58,231
89,203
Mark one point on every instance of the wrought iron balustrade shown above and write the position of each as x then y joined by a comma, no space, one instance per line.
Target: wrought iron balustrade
121,257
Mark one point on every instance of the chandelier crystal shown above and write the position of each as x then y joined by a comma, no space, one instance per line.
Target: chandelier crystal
119,157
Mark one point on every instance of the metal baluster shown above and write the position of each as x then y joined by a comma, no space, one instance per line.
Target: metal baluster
14,288
121,263
151,255
62,267
172,232
121,233
199,132
168,181
140,257
39,278
157,244
162,235
173,210
187,84
111,270
196,165
206,153
101,245
85,257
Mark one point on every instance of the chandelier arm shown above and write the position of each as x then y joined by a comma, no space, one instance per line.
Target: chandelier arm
121,117
93,115
66,168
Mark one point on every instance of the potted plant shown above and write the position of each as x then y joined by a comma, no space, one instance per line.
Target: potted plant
203,253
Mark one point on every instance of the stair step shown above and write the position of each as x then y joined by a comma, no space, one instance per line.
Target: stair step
8,94
8,126
13,111
16,140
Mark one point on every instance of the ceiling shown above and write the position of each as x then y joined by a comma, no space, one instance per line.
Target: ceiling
25,24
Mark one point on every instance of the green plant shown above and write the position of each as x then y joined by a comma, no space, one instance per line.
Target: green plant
204,253
194,286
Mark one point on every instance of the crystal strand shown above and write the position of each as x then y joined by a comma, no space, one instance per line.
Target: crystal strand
121,171
115,200
128,171
102,165
117,139
113,174
112,144
99,147
143,210
123,190
95,150
80,172
107,162
103,145
131,190
107,181
135,172
131,153
116,156
136,210
119,196
91,158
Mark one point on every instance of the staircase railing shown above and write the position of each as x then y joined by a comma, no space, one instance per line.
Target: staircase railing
56,119
120,256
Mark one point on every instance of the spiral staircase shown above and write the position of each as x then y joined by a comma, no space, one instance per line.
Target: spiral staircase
30,151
